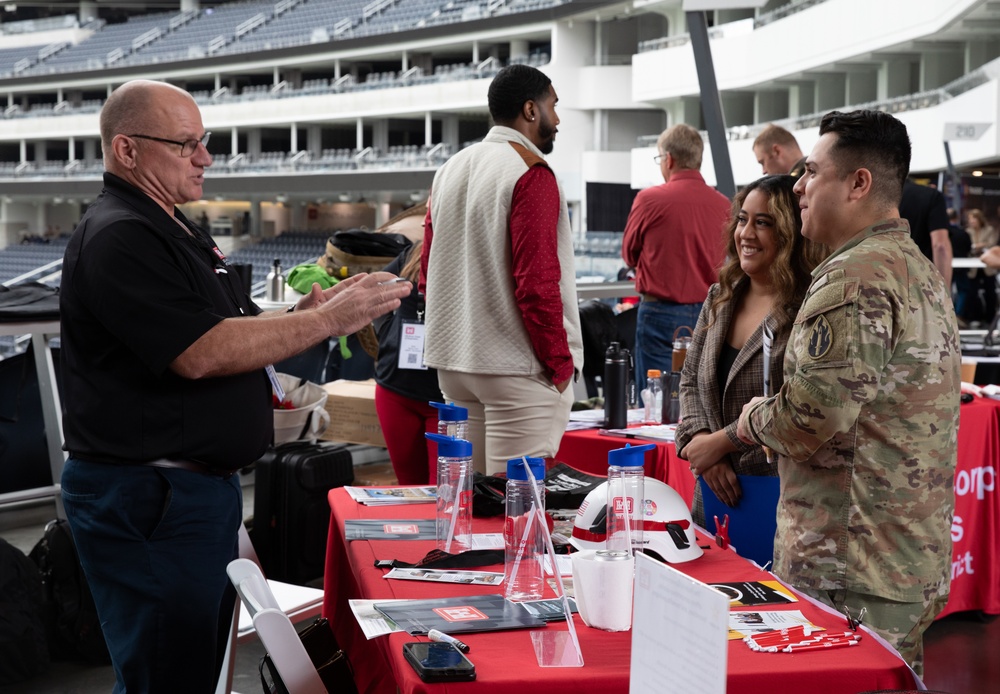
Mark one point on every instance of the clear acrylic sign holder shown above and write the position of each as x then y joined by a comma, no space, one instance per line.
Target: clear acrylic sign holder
554,648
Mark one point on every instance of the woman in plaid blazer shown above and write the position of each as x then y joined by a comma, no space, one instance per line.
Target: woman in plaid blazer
764,278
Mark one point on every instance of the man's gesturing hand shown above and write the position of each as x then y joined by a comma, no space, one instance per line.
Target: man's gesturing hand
353,303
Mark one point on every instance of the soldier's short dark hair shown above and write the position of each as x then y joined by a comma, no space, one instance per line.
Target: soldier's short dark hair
875,141
511,88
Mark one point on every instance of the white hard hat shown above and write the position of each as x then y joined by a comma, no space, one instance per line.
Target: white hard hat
667,529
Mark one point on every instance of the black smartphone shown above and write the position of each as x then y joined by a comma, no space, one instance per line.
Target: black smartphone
439,662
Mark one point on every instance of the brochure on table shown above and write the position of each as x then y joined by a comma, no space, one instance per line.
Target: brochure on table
466,614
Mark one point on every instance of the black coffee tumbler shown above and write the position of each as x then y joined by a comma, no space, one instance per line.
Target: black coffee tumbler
616,377
672,398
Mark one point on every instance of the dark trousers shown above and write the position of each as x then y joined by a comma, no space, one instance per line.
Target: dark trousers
154,544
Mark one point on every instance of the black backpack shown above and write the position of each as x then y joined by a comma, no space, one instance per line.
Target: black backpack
71,624
23,650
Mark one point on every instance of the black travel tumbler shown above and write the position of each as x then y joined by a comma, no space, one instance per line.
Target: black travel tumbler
616,378
672,398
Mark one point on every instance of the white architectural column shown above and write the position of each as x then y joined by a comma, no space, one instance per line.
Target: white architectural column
72,149
87,10
253,142
294,147
894,78
90,149
938,69
831,91
428,129
24,151
518,47
380,134
449,131
234,143
861,86
769,106
314,139
360,134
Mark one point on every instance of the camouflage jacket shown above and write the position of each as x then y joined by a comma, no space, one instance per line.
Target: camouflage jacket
866,424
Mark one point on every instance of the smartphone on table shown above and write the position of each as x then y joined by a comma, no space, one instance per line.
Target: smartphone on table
439,662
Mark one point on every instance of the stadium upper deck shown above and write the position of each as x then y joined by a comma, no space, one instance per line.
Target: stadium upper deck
316,101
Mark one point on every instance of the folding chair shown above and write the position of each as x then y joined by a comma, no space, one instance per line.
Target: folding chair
275,629
299,603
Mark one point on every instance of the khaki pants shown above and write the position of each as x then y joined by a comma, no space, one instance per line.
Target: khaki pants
509,416
902,624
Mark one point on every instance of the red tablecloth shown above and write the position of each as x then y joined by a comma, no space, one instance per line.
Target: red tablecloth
975,531
505,661
587,450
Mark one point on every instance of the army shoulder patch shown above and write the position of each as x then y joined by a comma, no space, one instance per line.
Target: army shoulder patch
821,338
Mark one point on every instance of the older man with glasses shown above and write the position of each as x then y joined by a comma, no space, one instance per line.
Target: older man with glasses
166,390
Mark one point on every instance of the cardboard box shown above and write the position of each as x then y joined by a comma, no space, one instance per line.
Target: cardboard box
353,419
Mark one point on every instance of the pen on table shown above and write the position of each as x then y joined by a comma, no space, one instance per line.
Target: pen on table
394,280
435,635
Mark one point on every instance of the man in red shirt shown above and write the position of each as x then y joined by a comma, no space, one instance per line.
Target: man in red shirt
673,239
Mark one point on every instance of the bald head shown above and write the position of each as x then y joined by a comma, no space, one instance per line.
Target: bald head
138,106
153,138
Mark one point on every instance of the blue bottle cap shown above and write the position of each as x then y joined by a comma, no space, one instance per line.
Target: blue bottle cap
516,471
450,413
629,456
450,447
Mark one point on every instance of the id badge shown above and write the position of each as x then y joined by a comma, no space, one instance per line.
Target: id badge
411,346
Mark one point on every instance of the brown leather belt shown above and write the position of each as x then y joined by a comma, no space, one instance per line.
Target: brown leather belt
655,299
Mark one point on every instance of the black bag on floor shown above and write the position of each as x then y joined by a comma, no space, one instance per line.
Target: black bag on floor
24,652
331,662
68,611
291,512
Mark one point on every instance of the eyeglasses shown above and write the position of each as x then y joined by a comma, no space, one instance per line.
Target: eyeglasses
188,147
658,158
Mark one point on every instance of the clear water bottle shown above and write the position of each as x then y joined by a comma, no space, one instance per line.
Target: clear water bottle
626,497
453,522
652,396
275,282
524,540
453,420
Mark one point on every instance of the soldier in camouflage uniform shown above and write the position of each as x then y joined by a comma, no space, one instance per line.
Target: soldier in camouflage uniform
865,424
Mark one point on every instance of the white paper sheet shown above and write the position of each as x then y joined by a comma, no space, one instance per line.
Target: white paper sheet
679,628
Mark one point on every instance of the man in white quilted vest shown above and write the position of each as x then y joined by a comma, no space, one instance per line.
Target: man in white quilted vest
503,327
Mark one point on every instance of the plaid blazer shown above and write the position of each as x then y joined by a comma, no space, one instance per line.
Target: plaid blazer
701,409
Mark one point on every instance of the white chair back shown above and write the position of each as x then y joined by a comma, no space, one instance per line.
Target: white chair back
275,629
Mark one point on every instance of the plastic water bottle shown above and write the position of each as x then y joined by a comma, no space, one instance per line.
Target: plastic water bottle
626,497
652,396
453,522
275,282
616,378
453,420
523,539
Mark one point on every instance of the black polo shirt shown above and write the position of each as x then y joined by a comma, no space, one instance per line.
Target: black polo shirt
924,208
137,291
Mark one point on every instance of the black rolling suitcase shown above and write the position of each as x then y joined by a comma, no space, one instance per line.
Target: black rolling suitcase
291,513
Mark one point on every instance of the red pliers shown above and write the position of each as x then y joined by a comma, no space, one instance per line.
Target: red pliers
722,531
